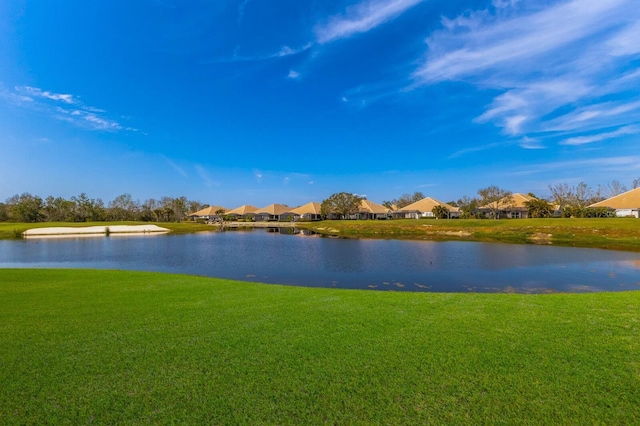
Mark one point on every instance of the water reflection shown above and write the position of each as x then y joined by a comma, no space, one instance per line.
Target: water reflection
286,256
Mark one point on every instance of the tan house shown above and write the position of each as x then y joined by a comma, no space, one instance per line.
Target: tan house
370,210
208,213
309,211
512,207
424,208
278,212
625,204
242,212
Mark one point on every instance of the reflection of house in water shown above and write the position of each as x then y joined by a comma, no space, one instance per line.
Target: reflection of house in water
626,204
424,208
290,230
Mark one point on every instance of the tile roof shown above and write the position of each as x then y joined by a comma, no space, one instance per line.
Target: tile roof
309,208
209,211
274,209
371,207
626,200
242,210
427,204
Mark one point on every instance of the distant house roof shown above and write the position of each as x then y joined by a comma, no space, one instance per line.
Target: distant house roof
309,208
626,200
274,209
427,204
209,211
516,202
367,206
242,210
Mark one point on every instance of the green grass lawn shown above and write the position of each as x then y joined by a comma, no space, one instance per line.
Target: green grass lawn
607,233
616,234
111,347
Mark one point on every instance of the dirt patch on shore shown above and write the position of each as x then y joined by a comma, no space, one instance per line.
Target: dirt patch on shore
541,238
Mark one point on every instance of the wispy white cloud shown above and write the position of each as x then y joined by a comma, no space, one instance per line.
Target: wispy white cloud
64,107
474,149
357,19
484,42
241,8
562,57
293,74
361,18
86,119
175,167
39,93
628,162
205,176
283,52
530,143
582,140
366,94
593,116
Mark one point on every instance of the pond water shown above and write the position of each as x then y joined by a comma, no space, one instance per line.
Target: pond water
398,265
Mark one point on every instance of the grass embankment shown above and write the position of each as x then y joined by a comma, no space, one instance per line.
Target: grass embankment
617,233
127,347
9,230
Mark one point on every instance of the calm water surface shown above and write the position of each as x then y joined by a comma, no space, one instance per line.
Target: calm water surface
324,262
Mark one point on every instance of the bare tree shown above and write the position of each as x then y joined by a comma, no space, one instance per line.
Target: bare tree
404,200
636,183
583,195
494,199
467,205
612,189
573,200
561,195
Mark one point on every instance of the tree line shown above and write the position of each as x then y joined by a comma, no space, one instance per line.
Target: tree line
570,201
81,208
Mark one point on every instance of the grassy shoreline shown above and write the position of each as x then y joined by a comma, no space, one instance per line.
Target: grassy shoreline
86,346
609,233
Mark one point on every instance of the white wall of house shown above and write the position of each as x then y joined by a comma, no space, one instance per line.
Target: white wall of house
628,212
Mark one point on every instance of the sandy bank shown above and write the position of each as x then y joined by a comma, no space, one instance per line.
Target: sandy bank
94,230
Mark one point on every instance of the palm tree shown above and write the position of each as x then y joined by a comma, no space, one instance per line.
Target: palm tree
440,212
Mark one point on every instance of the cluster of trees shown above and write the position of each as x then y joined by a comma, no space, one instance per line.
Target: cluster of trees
31,208
343,204
404,200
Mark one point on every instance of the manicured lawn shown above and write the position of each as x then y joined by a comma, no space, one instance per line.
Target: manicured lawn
110,347
616,234
609,233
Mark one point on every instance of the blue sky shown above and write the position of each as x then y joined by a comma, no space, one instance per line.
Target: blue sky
254,102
